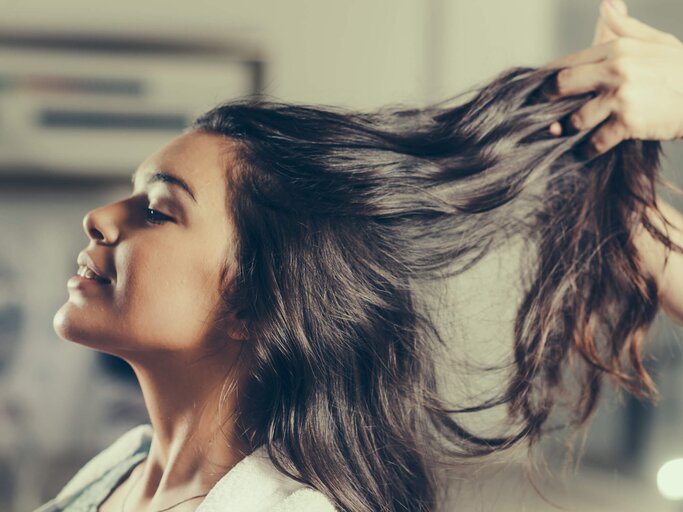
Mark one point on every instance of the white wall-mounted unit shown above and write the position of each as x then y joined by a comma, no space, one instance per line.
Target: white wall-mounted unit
87,105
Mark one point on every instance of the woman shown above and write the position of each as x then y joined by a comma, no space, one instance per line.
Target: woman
261,281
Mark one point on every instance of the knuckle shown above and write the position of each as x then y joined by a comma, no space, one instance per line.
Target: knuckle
598,144
626,118
620,68
562,80
576,120
624,96
622,45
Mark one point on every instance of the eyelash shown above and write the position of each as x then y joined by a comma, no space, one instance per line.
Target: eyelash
150,217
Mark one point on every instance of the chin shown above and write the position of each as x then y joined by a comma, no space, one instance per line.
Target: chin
66,326
70,324
74,325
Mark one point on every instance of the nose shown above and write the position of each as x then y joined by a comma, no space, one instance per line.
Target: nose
100,224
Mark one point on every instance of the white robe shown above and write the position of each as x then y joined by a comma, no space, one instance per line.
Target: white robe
252,485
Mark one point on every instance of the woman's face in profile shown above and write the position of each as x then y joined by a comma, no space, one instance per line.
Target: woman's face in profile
164,266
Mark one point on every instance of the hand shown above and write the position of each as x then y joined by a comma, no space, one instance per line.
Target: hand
637,71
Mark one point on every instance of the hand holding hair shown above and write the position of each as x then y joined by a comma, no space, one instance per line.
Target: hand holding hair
637,72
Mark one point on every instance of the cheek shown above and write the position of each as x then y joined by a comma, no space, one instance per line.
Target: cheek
165,302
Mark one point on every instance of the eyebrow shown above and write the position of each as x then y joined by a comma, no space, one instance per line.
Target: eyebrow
169,178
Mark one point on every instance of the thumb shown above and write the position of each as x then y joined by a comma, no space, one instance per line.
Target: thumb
619,23
603,34
620,6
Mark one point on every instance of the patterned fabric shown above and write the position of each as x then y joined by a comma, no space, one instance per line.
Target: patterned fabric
252,485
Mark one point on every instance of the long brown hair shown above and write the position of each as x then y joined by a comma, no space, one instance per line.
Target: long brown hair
339,216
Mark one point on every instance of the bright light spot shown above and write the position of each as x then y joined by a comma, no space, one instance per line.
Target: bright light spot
670,479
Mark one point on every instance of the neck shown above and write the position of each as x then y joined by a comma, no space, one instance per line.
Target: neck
191,405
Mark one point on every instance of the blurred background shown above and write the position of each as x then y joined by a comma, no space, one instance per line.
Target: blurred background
88,90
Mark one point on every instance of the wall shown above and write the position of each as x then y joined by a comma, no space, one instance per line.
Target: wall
355,53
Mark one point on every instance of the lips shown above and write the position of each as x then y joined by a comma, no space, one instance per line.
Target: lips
84,259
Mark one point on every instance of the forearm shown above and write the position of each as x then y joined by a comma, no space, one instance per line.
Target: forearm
652,252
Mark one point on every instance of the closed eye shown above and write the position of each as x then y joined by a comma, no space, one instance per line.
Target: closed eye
155,217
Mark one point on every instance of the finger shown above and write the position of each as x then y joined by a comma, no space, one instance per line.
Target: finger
628,26
603,34
606,137
592,54
620,6
591,114
579,80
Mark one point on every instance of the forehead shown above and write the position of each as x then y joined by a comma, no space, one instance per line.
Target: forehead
198,158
